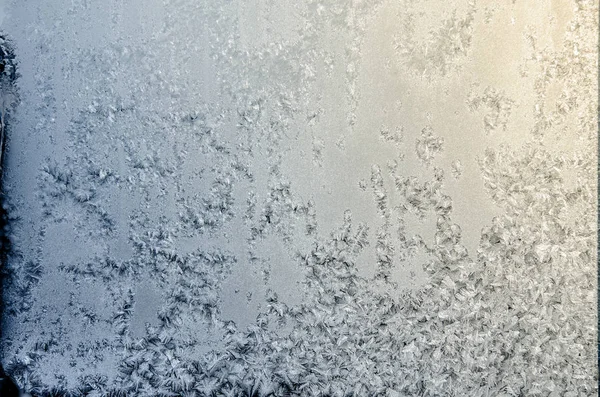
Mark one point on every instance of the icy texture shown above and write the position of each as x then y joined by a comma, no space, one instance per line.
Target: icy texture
316,198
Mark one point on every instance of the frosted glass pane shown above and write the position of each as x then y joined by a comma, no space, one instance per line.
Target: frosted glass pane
315,198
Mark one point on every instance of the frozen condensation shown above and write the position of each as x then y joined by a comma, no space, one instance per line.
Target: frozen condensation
315,198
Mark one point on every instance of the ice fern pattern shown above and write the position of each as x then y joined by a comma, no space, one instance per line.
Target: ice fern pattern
313,198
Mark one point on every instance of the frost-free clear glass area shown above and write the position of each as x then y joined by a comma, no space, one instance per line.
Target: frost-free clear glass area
313,198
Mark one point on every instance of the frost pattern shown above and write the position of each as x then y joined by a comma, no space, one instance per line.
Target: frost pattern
443,47
254,199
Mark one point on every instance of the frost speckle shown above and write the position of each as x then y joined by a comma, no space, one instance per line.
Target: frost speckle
498,106
429,145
